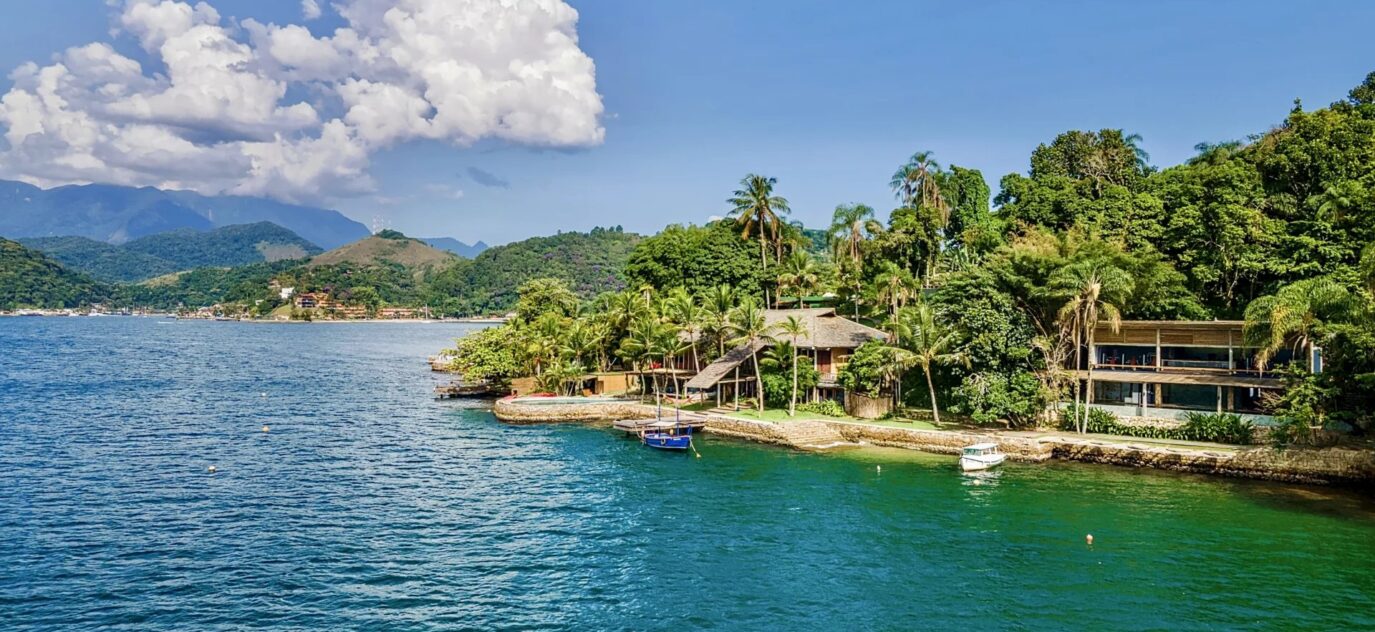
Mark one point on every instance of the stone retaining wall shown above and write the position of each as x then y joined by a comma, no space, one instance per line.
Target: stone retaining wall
941,441
511,411
1294,465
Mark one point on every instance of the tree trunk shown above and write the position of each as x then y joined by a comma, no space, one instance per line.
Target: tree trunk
1077,333
758,382
792,403
1088,385
935,410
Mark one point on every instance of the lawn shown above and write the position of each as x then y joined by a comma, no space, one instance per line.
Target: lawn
781,415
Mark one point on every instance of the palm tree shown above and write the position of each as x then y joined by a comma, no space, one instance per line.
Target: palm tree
894,287
684,311
800,274
1091,290
917,183
748,324
648,340
1133,142
1294,315
851,226
756,209
931,343
794,328
718,303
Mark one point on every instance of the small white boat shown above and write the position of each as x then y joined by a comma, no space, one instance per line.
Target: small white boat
981,456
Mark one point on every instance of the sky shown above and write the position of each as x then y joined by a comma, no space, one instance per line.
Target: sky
474,120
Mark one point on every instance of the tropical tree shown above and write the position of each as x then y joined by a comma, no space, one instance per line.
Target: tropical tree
851,227
917,183
748,324
932,342
894,287
799,274
717,305
757,210
649,340
1294,316
684,311
1091,290
794,328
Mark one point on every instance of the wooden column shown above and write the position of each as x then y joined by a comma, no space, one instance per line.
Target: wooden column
1158,362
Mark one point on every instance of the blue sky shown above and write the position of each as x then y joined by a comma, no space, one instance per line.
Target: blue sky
828,97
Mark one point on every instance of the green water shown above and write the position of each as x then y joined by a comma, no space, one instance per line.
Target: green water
371,506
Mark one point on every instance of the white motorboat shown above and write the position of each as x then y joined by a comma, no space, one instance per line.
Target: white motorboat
981,456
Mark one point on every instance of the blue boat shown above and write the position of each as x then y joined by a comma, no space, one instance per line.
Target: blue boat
667,435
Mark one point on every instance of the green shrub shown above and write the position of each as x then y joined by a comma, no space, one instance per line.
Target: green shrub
1214,427
828,407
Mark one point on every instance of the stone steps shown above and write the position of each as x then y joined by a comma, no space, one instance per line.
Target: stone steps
812,435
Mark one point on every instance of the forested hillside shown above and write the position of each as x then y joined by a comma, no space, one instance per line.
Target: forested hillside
30,279
590,263
177,250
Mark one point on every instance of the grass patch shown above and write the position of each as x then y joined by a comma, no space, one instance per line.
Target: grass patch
781,415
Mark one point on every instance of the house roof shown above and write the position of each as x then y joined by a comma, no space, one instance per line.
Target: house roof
714,372
825,330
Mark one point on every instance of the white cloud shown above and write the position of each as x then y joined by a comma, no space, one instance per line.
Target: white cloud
220,115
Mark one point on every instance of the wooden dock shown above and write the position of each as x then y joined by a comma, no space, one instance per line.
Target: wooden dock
635,426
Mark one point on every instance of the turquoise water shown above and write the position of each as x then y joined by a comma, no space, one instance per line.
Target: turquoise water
370,506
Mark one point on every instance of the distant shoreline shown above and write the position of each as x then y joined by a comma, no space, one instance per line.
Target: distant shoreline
459,321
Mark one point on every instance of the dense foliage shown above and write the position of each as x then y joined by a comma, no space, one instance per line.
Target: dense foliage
694,257
28,279
1197,426
177,250
589,263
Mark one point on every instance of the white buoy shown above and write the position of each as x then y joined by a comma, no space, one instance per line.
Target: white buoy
879,468
210,469
262,395
265,428
1089,538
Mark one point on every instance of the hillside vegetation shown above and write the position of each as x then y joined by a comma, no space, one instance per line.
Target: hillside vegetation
177,250
386,248
589,263
28,278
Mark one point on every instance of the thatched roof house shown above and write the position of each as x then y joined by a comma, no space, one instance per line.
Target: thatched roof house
829,340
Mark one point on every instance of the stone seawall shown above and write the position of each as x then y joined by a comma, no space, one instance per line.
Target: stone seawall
515,412
942,441
1293,465
1297,465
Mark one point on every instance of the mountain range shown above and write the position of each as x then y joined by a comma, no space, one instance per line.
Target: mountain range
457,247
116,214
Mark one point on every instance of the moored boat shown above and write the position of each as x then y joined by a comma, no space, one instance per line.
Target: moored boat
667,435
981,456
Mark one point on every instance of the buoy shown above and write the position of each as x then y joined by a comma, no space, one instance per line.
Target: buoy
263,395
211,469
879,468
1089,538
265,428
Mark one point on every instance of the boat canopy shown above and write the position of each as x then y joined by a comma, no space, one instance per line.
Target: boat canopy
981,447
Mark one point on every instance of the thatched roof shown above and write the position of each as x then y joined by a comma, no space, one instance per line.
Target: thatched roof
825,330
712,373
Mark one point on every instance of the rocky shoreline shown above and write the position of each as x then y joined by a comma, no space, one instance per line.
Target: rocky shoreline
1294,465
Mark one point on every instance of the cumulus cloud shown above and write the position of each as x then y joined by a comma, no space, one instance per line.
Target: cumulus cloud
267,109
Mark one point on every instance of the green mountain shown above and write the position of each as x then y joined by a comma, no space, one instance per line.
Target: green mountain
590,263
28,278
172,251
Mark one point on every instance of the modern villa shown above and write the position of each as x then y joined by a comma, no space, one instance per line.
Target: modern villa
1164,369
828,344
